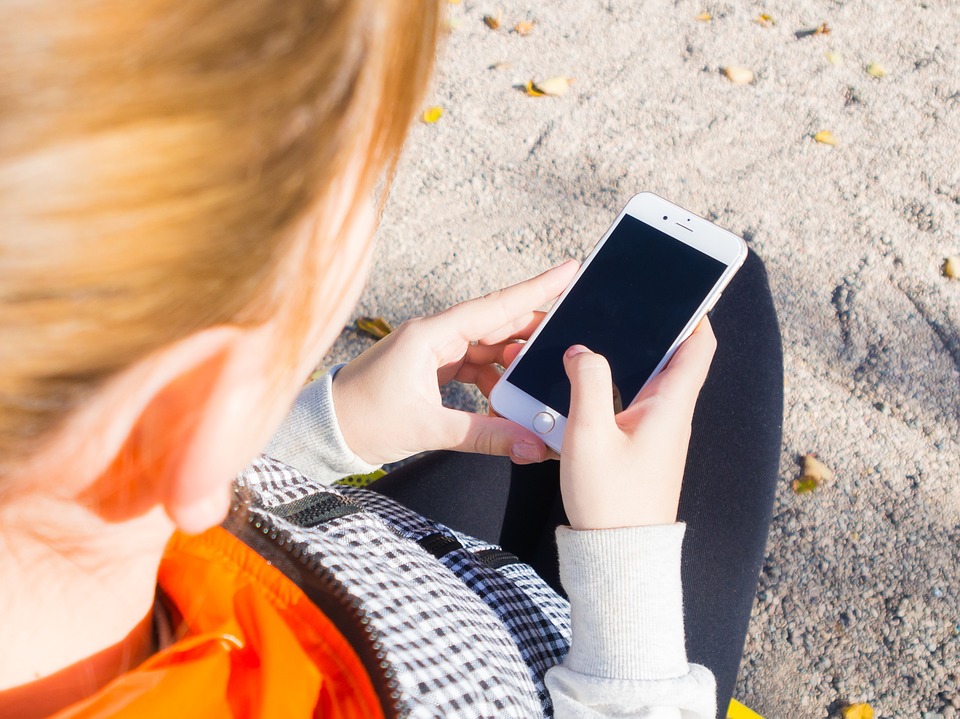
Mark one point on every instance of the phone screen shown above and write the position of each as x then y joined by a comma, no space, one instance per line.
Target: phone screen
630,305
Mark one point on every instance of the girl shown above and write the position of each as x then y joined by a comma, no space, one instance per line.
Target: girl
186,191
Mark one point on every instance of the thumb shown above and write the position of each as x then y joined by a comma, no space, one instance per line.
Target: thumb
591,389
483,434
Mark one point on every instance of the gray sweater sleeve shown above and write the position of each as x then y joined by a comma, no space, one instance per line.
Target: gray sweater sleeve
627,655
310,439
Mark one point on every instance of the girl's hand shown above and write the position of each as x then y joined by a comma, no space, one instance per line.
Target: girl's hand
388,402
625,470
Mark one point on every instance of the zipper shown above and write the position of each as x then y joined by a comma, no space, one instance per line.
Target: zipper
496,558
440,545
314,509
320,585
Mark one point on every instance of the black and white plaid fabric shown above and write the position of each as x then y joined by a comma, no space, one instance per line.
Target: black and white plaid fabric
468,629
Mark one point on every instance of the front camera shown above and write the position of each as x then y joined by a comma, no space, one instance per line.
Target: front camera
664,217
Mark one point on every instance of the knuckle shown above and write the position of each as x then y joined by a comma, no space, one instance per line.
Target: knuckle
493,295
497,298
483,442
412,325
592,364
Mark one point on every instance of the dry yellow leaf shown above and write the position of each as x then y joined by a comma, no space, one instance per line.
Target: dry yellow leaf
738,74
532,90
804,485
834,58
825,137
432,114
704,17
812,473
736,710
951,267
875,69
858,711
493,21
821,29
523,28
813,467
765,20
554,86
374,326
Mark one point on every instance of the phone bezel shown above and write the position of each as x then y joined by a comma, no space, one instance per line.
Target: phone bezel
511,402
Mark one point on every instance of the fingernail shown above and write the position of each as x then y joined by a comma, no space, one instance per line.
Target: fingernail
525,450
576,350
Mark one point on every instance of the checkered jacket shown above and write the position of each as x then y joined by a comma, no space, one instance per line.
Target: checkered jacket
446,625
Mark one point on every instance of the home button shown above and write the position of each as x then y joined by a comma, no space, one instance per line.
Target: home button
543,422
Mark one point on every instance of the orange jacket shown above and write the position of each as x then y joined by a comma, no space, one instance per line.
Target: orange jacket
253,645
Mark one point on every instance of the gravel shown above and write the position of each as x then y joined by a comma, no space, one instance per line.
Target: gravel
857,600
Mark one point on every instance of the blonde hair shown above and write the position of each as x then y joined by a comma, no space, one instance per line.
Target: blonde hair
154,157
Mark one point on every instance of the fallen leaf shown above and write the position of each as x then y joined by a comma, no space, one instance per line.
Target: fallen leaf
825,137
704,17
804,485
532,90
523,28
736,710
875,69
765,20
813,467
738,74
858,711
432,114
493,21
502,65
813,472
951,267
554,86
374,326
821,29
834,58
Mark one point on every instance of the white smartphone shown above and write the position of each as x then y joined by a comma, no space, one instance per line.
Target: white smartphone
642,290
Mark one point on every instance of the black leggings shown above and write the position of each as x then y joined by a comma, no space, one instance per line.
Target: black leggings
728,484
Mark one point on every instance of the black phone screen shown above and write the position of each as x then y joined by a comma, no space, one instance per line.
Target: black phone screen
630,305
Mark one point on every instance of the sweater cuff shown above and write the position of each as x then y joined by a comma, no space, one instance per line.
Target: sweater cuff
310,439
626,601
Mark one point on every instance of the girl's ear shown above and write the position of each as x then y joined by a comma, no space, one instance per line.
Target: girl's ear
174,429
205,423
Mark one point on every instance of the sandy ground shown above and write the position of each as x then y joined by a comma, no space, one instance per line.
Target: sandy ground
859,599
